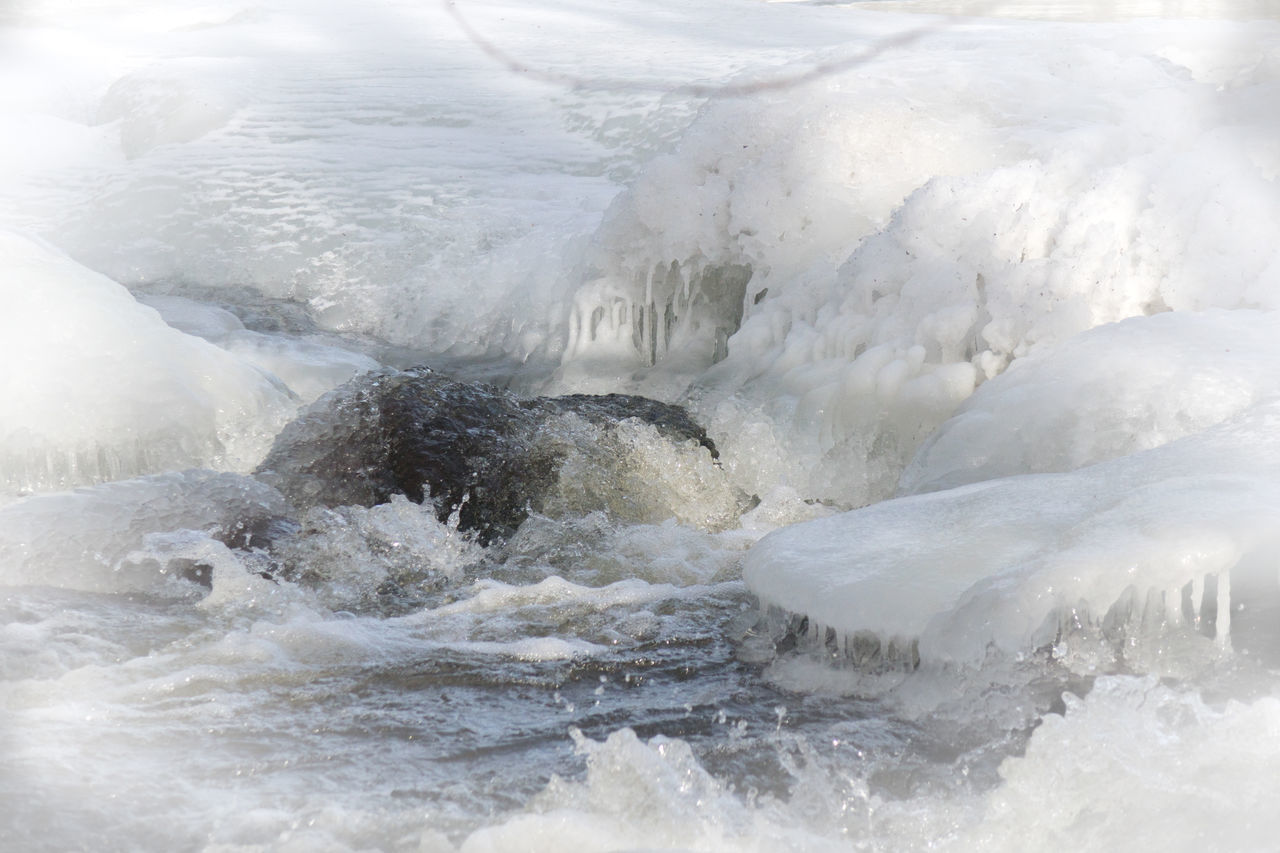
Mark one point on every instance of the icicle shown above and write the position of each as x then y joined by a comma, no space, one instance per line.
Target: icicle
1153,613
1223,635
1173,615
1192,596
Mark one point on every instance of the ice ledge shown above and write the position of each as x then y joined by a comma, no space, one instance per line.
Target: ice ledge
1005,565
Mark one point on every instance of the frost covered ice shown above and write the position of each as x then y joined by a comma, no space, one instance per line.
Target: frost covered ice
906,235
1007,566
1112,391
981,308
998,563
97,387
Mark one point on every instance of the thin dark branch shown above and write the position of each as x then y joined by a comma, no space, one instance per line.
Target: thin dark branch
698,90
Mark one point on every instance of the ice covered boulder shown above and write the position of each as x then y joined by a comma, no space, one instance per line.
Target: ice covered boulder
97,387
491,457
872,248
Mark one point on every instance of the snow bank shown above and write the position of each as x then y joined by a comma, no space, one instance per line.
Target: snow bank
97,387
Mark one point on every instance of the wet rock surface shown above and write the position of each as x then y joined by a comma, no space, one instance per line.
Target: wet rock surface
471,449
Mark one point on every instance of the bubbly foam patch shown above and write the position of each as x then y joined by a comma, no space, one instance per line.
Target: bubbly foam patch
640,796
1148,751
635,474
353,555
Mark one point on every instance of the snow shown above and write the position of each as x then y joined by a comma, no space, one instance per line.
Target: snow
911,233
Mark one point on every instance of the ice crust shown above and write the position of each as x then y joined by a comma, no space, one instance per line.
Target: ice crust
1008,566
98,387
911,233
124,536
309,366
1108,392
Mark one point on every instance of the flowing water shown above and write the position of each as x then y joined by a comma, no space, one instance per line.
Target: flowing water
977,302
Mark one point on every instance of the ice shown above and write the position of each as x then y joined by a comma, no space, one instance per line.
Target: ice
1083,10
97,387
1016,267
1109,392
169,104
1006,567
909,234
371,162
97,538
309,366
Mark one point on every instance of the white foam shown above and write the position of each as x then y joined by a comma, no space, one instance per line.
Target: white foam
645,796
351,552
492,596
1137,760
635,474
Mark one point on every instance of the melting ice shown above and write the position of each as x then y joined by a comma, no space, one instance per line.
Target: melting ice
977,301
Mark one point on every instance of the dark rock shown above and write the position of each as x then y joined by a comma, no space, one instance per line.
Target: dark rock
602,410
472,449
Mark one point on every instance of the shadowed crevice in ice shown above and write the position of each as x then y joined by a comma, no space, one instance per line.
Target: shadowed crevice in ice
683,311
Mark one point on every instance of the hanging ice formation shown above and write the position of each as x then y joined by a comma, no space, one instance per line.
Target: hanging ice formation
689,308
